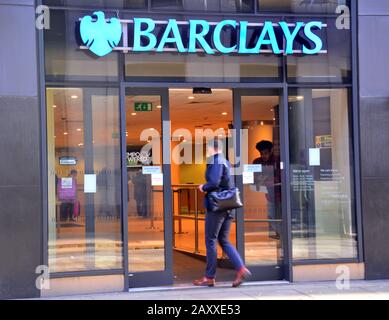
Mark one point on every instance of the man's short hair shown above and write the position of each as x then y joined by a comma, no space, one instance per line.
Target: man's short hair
264,145
215,144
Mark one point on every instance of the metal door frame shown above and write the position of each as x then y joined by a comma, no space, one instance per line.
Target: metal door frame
145,279
152,278
283,272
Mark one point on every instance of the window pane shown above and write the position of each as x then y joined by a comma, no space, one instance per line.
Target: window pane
63,58
242,6
197,67
84,179
308,6
130,4
334,66
323,215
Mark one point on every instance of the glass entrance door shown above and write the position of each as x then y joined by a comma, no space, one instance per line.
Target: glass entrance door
147,201
261,220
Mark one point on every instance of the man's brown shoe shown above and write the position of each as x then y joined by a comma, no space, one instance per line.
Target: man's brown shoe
204,282
242,275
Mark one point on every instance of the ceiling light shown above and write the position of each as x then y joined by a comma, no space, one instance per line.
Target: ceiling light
80,144
262,123
191,97
133,114
224,113
65,133
159,107
79,129
54,106
74,97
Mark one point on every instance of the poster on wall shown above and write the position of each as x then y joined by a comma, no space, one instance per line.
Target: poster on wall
68,161
137,157
323,142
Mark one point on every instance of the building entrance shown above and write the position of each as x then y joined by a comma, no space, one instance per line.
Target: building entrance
166,132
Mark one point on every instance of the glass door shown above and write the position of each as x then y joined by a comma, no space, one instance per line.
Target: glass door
261,220
146,191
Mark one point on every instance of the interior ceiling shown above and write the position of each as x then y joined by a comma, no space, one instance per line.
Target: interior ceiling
202,112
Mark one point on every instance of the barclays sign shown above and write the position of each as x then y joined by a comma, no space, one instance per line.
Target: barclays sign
102,36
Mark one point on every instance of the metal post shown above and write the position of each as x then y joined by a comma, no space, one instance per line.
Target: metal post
196,224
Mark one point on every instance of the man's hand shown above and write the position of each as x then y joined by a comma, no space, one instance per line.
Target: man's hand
201,188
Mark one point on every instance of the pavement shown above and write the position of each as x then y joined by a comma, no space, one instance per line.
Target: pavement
357,290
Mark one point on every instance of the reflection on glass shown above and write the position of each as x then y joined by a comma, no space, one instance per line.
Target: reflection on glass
323,216
332,66
93,4
64,61
301,6
145,192
84,179
262,180
246,6
198,67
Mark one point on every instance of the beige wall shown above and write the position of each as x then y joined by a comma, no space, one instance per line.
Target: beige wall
328,272
84,285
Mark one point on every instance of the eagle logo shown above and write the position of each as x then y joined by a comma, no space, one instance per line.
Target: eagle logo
101,36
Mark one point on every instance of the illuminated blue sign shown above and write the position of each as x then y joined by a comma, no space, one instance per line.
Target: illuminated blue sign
224,37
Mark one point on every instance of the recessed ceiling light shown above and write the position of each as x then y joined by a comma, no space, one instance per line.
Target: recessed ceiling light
159,107
79,129
54,106
133,114
191,97
262,123
65,133
80,144
224,113
74,97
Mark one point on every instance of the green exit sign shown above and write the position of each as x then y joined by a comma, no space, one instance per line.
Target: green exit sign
143,106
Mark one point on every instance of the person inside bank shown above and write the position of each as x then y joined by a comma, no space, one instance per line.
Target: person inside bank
67,195
269,182
218,224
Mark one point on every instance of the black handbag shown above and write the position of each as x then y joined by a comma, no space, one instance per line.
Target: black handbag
225,200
